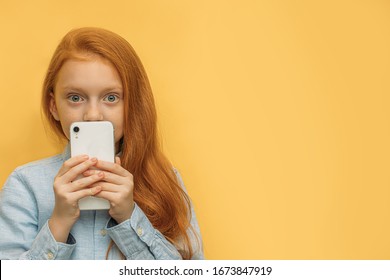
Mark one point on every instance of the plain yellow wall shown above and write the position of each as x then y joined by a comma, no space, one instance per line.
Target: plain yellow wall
275,112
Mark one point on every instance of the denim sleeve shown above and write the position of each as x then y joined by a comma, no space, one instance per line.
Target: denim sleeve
45,247
20,237
138,239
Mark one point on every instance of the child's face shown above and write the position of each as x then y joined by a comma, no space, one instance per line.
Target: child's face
88,90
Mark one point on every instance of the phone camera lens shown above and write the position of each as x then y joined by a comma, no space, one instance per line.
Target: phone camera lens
76,129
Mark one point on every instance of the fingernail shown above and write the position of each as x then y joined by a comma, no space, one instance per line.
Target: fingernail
97,189
94,159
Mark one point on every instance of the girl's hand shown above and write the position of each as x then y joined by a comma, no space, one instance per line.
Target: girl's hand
69,191
117,187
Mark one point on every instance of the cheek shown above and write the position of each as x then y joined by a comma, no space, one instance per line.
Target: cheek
65,129
67,117
118,124
66,121
118,133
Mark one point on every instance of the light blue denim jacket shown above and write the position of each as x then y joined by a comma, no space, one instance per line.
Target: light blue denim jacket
27,202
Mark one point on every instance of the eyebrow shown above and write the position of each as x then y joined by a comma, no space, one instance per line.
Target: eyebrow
106,89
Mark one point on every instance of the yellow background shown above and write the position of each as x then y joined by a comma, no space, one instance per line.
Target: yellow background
275,112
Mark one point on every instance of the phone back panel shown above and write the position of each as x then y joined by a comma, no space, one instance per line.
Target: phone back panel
95,139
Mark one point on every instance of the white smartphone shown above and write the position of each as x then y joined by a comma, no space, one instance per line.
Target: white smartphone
95,139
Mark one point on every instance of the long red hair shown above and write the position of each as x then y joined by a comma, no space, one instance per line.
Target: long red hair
156,188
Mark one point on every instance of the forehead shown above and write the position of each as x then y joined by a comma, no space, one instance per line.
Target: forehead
91,72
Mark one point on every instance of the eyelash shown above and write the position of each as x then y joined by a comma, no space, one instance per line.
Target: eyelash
71,96
111,94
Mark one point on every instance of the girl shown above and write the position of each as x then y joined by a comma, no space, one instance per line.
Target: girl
95,75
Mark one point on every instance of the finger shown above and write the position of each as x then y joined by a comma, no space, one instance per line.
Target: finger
110,196
113,188
85,182
94,171
86,192
90,172
112,167
73,161
78,169
109,177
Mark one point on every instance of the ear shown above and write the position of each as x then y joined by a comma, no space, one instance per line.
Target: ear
53,107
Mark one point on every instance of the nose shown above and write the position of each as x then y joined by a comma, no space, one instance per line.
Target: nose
93,113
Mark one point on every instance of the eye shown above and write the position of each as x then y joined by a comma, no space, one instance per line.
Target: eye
74,98
111,98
